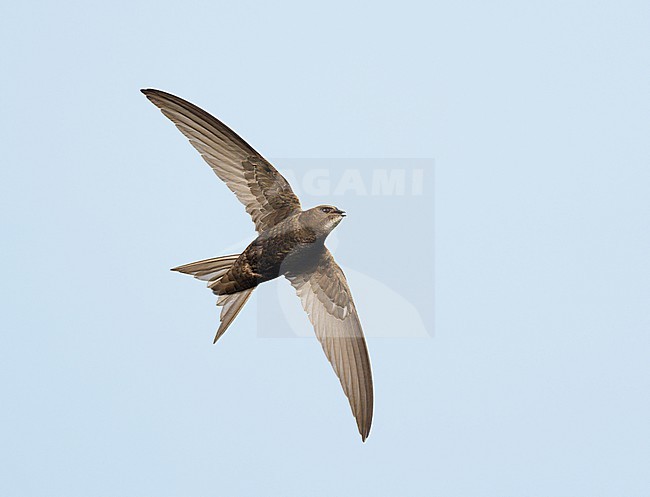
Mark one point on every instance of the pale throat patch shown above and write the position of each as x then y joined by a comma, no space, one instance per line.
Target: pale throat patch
332,223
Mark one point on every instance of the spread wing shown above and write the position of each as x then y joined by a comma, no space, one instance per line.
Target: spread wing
265,193
326,298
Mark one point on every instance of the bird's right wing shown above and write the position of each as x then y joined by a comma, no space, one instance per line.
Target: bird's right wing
326,298
265,193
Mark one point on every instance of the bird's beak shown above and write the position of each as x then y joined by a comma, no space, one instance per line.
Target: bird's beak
340,212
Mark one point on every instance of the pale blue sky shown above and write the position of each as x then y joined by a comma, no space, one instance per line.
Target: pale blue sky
535,381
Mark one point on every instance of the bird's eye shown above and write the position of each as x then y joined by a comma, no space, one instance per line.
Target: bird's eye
326,209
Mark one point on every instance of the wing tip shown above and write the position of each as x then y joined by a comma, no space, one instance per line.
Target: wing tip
152,93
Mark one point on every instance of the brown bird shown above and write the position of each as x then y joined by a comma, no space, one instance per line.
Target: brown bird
290,243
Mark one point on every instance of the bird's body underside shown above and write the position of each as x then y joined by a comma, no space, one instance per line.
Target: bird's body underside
283,249
290,243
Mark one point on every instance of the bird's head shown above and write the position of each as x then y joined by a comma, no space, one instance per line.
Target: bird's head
323,218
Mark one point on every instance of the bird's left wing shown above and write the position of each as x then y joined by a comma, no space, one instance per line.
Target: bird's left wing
326,298
265,193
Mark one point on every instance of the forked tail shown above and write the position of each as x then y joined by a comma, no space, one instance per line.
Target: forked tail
212,270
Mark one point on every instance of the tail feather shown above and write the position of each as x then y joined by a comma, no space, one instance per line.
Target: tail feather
212,270
231,305
208,269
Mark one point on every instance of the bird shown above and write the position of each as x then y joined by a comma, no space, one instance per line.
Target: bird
290,242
